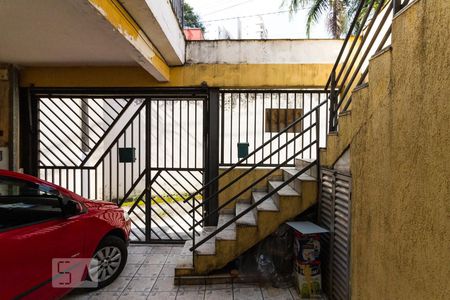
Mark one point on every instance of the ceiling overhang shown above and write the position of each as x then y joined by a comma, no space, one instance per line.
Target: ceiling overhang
85,33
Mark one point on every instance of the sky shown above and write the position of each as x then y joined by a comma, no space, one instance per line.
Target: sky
251,14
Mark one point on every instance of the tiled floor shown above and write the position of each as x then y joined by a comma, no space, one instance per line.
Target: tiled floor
149,274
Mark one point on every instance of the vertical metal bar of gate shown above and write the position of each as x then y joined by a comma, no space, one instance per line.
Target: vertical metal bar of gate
212,153
148,173
114,120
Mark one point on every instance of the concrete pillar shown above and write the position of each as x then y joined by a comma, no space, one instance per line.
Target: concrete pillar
9,118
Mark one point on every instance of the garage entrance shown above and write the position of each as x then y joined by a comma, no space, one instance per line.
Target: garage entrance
143,150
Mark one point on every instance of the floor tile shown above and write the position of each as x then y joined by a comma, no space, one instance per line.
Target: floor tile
190,295
165,284
168,270
276,294
219,286
129,270
247,294
176,250
147,270
105,295
219,294
189,287
118,285
139,249
136,258
149,274
174,259
162,296
141,284
134,295
246,285
160,250
155,259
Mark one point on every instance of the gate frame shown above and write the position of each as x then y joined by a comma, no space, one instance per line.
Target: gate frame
29,127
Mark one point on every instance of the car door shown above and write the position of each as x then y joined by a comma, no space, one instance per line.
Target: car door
33,232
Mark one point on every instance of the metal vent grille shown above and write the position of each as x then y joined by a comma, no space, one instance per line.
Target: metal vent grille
334,214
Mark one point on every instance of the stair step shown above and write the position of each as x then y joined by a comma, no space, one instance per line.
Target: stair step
228,234
248,219
209,247
184,260
285,191
266,205
297,183
185,250
303,177
301,163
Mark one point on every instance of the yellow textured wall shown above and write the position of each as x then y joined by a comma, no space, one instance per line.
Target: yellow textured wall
215,75
400,162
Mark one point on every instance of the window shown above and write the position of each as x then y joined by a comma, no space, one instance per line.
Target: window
23,202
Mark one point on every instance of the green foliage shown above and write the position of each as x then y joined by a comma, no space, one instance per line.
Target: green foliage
340,13
190,18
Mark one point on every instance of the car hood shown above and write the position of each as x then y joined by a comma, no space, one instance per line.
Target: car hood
99,204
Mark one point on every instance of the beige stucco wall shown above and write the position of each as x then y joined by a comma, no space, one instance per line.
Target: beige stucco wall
400,161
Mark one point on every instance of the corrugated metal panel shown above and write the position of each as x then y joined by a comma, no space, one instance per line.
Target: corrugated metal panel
334,214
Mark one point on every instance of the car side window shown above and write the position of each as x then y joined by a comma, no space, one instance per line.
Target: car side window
23,202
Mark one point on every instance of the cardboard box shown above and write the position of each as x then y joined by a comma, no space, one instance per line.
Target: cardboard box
308,280
307,263
307,247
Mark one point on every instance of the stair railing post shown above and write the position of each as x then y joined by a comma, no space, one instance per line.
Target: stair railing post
333,103
193,230
397,5
319,182
212,156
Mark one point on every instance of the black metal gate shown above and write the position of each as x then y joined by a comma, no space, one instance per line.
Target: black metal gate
143,150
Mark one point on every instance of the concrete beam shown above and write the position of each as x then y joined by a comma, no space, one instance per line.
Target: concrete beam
263,51
159,23
215,75
145,53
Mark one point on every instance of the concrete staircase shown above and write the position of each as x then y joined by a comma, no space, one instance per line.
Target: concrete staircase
253,227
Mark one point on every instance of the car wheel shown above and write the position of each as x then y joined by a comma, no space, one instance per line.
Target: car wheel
108,261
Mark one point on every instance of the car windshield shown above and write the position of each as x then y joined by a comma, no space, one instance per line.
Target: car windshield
23,202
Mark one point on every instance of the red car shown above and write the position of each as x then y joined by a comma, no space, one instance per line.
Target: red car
52,239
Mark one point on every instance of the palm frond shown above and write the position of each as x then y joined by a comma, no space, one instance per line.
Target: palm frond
336,18
294,5
368,8
317,8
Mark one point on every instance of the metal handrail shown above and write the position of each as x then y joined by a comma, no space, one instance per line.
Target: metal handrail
255,166
360,46
275,137
347,38
253,206
342,82
235,197
316,142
